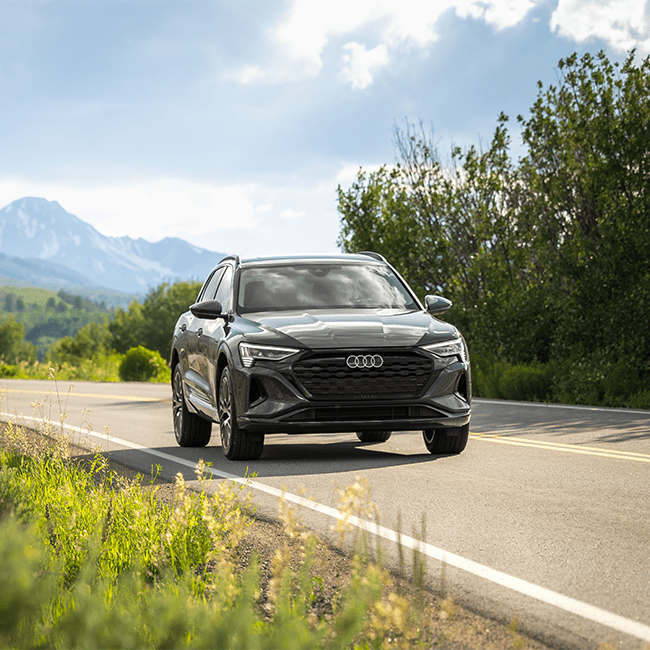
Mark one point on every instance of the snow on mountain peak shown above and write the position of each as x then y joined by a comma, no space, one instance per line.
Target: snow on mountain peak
36,228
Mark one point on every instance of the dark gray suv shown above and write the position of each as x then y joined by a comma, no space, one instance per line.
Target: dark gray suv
317,344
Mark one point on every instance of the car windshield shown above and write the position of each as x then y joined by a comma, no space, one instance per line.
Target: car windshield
321,286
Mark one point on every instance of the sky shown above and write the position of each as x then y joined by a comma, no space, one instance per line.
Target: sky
231,123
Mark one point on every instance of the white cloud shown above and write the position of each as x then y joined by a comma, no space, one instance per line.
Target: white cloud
292,214
312,24
622,24
359,63
499,13
149,209
349,173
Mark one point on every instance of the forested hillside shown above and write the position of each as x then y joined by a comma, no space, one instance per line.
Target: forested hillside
85,340
43,317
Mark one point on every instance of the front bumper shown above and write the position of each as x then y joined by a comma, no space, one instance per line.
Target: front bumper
270,399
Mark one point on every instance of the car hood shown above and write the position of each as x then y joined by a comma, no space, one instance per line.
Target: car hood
357,329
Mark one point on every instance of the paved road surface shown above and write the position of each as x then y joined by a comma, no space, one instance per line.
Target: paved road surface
545,516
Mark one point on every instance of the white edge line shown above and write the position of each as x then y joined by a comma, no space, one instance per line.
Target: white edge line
584,610
575,407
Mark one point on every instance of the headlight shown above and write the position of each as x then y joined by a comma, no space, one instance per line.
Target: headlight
249,352
455,347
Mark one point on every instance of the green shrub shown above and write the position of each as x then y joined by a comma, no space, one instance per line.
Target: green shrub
486,374
11,371
640,400
140,364
594,380
533,383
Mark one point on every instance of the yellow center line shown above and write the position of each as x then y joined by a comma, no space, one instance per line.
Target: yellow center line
559,446
128,398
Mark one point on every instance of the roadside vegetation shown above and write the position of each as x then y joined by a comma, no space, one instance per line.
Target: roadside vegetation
92,559
546,258
129,344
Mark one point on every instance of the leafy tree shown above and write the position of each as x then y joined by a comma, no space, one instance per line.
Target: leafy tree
91,341
151,324
127,327
450,230
586,172
13,347
10,302
546,259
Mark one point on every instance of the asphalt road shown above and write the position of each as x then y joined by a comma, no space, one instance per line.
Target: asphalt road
544,517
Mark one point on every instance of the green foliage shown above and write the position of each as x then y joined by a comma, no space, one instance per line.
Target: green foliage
151,324
24,588
91,341
592,380
586,170
140,364
48,316
12,371
13,347
531,383
547,260
87,345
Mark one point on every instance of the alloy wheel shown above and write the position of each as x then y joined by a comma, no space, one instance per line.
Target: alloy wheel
225,411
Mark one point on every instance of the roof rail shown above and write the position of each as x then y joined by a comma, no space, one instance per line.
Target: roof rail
235,258
376,256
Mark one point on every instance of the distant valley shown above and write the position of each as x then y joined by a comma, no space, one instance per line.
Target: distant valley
43,245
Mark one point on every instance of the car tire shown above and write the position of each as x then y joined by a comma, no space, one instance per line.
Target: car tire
446,441
236,444
374,436
190,429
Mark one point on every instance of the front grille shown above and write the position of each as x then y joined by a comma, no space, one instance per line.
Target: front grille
327,376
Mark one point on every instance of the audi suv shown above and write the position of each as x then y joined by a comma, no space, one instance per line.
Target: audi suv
317,344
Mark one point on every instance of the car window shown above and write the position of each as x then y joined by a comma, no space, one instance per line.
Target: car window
321,286
210,287
223,294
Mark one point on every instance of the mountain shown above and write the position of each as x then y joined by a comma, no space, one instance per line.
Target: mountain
52,243
39,272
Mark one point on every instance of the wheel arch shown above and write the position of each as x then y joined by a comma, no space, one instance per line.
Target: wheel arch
174,360
222,362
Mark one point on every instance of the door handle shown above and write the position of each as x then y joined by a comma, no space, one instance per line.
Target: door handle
199,331
183,327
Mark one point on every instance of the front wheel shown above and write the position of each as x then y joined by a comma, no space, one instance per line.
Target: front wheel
373,436
235,443
190,429
446,441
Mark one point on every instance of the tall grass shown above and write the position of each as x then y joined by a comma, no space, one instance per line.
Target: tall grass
89,559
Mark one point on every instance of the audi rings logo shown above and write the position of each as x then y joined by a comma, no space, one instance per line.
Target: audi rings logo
364,361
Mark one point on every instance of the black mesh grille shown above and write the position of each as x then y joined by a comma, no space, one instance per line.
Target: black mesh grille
328,377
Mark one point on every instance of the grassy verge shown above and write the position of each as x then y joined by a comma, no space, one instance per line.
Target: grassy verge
92,558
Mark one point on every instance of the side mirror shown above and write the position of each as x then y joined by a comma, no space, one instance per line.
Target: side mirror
209,309
437,304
